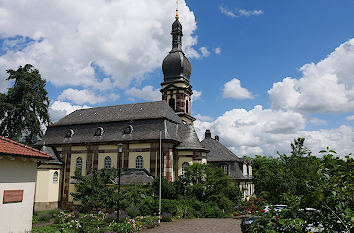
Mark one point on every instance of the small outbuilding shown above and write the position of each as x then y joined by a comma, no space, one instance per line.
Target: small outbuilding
18,169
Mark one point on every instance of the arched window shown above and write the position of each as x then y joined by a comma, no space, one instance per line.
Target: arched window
55,177
139,163
107,163
99,131
172,103
187,106
128,130
184,165
69,133
79,163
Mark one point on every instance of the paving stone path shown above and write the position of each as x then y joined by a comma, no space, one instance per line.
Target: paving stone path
198,225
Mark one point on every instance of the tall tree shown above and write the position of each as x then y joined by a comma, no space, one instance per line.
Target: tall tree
24,109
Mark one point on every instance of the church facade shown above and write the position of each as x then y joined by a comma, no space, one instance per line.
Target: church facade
129,135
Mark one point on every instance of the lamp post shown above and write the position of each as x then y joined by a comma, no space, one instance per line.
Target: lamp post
120,149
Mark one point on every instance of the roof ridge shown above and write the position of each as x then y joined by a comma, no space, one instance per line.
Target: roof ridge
82,109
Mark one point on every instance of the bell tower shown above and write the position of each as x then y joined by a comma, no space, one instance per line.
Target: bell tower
176,90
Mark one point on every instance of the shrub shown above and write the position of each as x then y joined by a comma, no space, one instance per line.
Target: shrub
132,212
54,212
123,215
148,206
76,213
111,217
166,217
45,217
57,220
184,208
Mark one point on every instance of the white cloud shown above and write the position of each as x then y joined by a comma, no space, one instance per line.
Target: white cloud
147,93
317,121
247,13
192,53
205,52
60,109
325,87
196,95
227,12
85,96
217,51
239,12
122,37
266,131
350,118
203,118
233,89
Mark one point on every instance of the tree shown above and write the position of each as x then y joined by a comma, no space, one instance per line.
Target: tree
95,191
337,189
206,184
24,109
298,147
293,174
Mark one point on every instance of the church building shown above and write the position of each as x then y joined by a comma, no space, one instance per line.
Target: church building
96,138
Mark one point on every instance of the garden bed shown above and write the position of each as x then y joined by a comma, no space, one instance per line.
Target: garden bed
93,222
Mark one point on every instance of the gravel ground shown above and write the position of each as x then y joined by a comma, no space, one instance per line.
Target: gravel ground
198,225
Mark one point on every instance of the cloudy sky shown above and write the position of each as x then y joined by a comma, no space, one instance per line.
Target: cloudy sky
263,72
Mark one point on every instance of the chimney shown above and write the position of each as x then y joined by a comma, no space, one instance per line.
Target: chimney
207,134
216,137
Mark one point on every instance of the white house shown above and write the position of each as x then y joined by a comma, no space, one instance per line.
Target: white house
18,168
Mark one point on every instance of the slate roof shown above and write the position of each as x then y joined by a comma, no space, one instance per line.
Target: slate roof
12,148
189,138
147,120
126,112
55,158
132,176
148,129
218,152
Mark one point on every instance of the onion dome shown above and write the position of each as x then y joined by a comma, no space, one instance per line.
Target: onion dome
176,66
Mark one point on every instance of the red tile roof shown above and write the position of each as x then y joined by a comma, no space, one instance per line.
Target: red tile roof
10,147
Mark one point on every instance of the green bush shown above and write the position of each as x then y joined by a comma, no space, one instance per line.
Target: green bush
166,217
148,206
132,211
45,217
57,220
187,197
54,212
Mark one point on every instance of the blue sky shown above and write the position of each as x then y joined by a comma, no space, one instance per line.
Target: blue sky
98,53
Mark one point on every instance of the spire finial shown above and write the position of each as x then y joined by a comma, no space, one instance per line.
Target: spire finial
177,17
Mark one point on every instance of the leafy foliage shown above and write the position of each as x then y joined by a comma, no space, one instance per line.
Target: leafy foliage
95,191
326,184
25,107
293,174
204,192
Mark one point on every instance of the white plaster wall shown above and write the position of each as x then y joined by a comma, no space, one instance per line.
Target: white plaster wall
17,175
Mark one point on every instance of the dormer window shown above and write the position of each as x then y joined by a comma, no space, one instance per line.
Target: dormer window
99,131
128,130
225,168
69,133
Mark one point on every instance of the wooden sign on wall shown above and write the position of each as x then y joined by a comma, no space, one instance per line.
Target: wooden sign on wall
11,196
